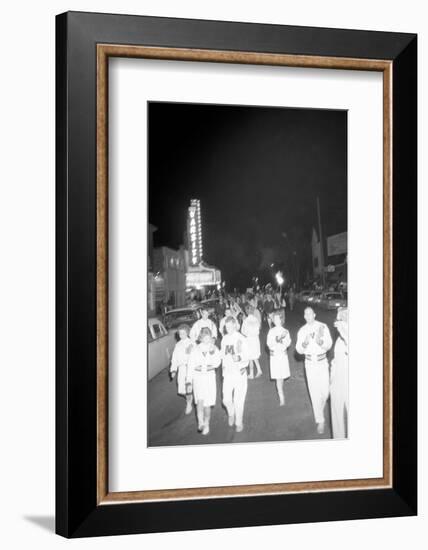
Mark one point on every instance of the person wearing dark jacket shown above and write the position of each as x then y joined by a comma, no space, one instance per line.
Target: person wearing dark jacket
268,308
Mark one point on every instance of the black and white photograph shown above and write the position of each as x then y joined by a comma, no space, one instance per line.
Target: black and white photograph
247,274
213,275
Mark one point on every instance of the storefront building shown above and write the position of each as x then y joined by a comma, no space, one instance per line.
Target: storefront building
169,277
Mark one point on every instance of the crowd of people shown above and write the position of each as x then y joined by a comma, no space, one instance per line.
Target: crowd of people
232,342
263,304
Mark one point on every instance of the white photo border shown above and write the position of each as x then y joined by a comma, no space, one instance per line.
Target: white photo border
133,466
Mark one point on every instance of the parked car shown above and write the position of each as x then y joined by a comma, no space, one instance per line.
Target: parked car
333,300
304,295
161,344
175,317
315,297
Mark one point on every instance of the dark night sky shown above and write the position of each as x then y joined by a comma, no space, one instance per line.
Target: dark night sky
257,172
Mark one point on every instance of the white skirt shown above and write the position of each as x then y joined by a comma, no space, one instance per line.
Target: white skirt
181,380
205,387
253,347
279,366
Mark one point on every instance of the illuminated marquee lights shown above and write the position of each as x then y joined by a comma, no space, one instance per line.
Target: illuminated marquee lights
195,232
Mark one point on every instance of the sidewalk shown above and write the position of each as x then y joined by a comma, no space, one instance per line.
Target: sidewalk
264,419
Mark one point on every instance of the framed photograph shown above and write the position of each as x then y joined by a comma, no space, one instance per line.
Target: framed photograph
236,250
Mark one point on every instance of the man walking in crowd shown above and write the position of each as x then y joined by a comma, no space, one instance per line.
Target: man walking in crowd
220,308
179,361
313,341
279,301
291,298
259,299
204,322
339,378
268,307
234,354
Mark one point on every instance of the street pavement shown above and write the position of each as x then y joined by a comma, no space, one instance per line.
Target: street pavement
264,419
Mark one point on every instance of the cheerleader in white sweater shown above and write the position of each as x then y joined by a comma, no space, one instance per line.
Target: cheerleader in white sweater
251,329
179,361
203,360
222,325
234,354
278,340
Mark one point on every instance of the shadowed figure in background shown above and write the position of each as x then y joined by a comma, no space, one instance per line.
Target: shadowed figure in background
339,390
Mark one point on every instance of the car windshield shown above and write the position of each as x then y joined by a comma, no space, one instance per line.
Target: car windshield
334,296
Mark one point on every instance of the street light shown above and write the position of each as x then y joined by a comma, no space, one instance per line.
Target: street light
279,278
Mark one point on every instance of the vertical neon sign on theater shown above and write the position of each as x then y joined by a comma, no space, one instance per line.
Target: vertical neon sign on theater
195,232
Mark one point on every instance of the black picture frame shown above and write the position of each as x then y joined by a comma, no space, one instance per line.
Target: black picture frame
77,512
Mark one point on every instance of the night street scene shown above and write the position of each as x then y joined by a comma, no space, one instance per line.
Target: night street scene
247,274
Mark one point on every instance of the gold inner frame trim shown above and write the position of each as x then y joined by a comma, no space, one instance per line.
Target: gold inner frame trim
104,51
